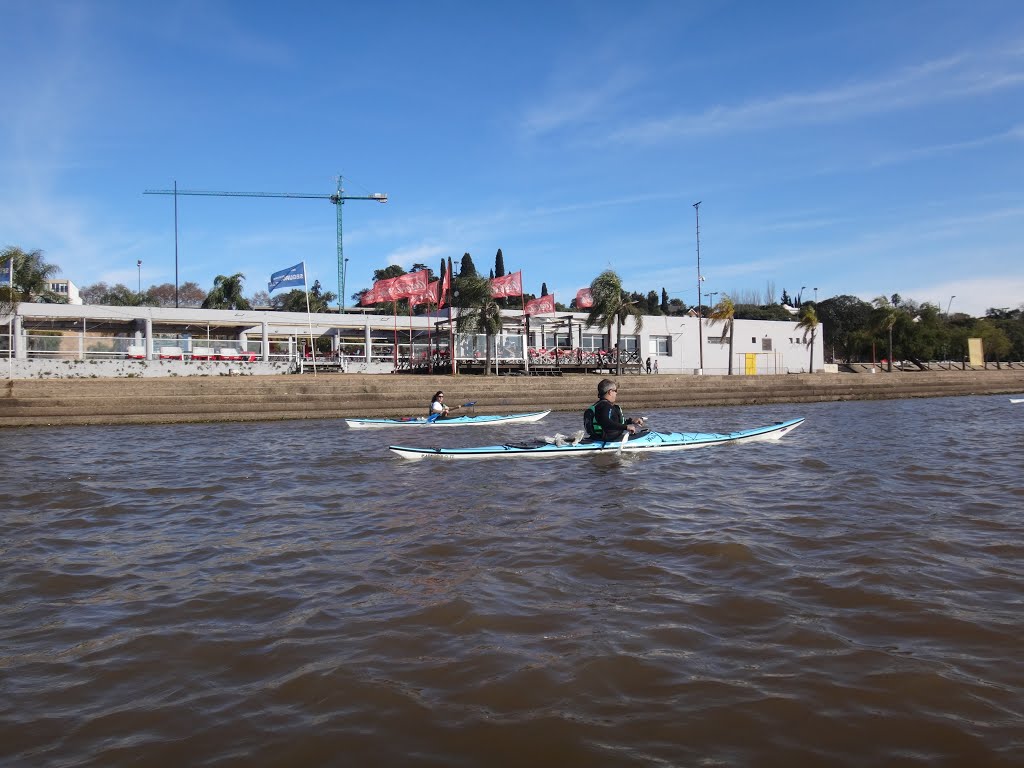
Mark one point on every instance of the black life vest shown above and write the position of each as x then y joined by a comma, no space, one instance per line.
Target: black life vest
593,429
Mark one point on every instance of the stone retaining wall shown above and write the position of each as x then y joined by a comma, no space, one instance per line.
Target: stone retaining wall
27,402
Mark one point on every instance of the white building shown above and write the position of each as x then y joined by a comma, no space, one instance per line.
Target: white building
383,343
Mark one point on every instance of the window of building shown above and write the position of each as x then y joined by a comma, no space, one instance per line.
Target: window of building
630,343
592,342
766,344
660,345
559,340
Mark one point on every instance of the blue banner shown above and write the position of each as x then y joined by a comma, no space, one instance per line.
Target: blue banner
287,277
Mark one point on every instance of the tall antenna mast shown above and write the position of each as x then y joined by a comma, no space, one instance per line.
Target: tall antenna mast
700,307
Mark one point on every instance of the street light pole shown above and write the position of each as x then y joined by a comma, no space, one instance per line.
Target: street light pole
949,305
700,308
175,243
815,295
139,265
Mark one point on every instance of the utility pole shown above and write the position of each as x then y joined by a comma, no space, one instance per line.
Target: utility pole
138,264
175,243
700,307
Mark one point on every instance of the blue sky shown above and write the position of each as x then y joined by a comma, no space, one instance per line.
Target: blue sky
865,148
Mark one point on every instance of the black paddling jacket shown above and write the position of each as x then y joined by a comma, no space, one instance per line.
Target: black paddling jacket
603,421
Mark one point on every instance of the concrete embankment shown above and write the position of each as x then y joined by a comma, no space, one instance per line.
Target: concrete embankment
27,402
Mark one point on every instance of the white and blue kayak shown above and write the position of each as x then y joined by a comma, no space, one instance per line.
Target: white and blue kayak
646,442
454,421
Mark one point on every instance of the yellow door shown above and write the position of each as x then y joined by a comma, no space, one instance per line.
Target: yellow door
751,364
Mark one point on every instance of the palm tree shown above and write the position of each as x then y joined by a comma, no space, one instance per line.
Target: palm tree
32,276
295,300
612,306
480,310
886,319
725,312
227,293
809,324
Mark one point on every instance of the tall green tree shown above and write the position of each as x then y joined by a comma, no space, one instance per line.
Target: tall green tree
479,311
189,294
499,264
845,319
995,342
295,299
467,267
611,307
227,293
809,325
724,312
652,303
32,276
884,319
664,301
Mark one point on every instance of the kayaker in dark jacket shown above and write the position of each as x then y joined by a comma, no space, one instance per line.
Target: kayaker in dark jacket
603,420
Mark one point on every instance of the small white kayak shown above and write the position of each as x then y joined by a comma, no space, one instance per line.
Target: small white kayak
648,442
1017,399
456,421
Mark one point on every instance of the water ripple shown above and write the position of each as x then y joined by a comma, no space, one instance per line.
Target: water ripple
290,594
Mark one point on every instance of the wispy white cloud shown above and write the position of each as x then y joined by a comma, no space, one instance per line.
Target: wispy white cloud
576,104
1015,133
945,79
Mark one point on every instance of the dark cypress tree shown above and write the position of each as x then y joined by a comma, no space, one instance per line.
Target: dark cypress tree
499,264
543,289
664,301
652,303
467,269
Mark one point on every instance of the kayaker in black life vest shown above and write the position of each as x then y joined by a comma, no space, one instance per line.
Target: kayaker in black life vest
603,420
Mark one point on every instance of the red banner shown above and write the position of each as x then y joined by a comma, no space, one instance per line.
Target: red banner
583,299
412,283
369,297
395,288
508,285
541,306
445,284
428,296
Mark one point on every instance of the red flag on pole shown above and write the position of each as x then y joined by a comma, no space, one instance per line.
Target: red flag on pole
411,283
428,296
369,297
445,284
543,305
507,285
583,298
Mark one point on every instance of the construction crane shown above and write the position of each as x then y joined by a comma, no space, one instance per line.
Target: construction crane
338,198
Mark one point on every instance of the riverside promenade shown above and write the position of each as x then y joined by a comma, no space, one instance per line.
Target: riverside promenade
66,402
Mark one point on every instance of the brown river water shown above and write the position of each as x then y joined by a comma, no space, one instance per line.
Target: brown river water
291,594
